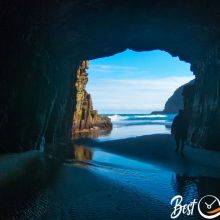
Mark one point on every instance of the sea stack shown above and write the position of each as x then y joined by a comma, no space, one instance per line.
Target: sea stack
85,118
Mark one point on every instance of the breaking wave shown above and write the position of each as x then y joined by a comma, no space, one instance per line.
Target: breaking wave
142,119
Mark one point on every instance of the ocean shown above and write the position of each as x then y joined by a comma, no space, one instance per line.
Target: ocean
133,125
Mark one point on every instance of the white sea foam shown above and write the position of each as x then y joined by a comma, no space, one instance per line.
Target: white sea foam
115,118
138,119
155,116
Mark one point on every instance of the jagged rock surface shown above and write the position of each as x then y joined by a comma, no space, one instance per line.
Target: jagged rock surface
175,102
43,42
85,117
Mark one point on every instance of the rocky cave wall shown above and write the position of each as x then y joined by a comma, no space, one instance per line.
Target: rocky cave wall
43,42
202,104
85,117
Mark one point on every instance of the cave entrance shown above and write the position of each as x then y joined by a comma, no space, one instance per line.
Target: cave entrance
132,89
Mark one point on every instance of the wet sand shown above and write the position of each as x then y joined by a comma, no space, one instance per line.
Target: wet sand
124,179
160,149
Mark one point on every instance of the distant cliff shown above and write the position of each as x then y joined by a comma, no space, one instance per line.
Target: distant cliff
175,102
85,117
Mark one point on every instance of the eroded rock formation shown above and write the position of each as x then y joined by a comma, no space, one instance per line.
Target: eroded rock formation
42,42
175,102
85,117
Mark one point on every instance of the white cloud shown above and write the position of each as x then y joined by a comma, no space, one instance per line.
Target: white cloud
134,94
102,67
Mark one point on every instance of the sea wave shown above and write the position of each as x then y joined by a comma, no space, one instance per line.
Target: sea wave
152,116
131,119
115,118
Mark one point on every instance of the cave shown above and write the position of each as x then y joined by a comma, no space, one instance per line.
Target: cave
44,42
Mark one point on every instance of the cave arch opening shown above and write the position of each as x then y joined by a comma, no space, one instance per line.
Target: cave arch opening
49,52
131,88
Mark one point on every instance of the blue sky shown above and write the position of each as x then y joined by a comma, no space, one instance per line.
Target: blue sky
135,82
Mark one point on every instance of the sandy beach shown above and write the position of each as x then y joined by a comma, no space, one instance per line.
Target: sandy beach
133,178
160,149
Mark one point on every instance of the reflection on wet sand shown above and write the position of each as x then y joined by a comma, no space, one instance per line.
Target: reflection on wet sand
127,188
91,134
187,186
82,154
195,186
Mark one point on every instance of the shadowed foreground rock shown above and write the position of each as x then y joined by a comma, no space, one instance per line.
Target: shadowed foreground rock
85,117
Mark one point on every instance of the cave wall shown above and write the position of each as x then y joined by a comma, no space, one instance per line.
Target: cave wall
202,104
35,107
43,42
36,83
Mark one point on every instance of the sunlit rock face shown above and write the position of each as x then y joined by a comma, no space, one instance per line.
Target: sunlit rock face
85,117
43,42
